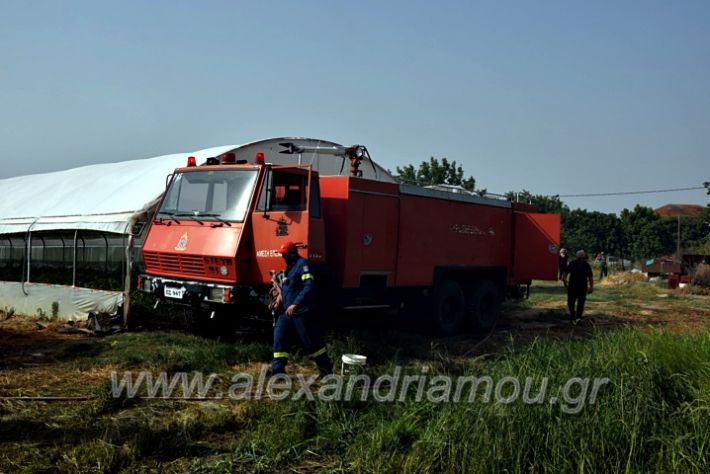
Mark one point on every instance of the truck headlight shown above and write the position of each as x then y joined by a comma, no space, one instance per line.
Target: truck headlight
223,270
216,294
220,295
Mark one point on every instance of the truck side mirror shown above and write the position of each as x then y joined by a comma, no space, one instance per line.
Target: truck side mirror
267,189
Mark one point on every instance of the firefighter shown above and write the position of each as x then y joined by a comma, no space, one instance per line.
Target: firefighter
579,282
295,314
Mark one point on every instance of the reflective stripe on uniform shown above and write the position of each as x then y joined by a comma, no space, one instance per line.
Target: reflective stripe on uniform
280,355
306,276
317,353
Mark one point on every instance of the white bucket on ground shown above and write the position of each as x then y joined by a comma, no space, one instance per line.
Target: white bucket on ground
350,362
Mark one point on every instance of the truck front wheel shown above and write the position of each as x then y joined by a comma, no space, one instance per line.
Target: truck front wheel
449,308
483,305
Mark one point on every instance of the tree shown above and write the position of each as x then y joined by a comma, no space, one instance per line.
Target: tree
545,204
592,231
646,235
435,172
707,186
694,230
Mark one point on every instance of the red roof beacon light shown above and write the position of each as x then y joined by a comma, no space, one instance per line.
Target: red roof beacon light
191,161
228,158
260,158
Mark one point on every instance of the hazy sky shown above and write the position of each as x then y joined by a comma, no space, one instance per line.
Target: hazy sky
554,97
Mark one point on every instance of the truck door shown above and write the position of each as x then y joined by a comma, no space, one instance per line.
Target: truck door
288,210
537,241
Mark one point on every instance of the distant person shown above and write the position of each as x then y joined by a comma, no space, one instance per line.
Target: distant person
603,270
579,281
562,265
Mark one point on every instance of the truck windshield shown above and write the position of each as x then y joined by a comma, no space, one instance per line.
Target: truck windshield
210,194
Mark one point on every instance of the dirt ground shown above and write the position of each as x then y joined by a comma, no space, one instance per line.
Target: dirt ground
26,342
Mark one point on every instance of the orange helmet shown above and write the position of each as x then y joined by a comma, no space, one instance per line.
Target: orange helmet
287,247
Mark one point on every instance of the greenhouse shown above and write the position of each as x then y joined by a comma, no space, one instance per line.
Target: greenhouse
70,240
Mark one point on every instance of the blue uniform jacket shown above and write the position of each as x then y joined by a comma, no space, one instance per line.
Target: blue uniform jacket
297,287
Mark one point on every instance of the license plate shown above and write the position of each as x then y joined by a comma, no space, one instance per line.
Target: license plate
174,292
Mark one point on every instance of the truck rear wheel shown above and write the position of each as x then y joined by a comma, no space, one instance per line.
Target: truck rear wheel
483,305
449,308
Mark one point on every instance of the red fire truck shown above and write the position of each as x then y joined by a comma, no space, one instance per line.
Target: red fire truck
372,242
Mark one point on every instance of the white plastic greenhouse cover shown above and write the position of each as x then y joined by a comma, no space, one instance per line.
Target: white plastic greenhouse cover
103,197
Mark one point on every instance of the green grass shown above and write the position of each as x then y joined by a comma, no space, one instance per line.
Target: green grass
653,416
172,351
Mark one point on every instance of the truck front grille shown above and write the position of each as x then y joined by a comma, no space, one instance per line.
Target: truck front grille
174,263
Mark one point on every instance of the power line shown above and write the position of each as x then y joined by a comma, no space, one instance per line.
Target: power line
627,193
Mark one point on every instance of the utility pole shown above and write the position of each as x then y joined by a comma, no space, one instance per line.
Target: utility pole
678,247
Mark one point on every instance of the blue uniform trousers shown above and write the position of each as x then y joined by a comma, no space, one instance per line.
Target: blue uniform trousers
302,326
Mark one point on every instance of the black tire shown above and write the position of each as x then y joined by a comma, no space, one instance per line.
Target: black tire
482,305
449,308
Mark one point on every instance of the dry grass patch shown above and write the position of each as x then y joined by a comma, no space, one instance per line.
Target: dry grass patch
701,276
622,279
